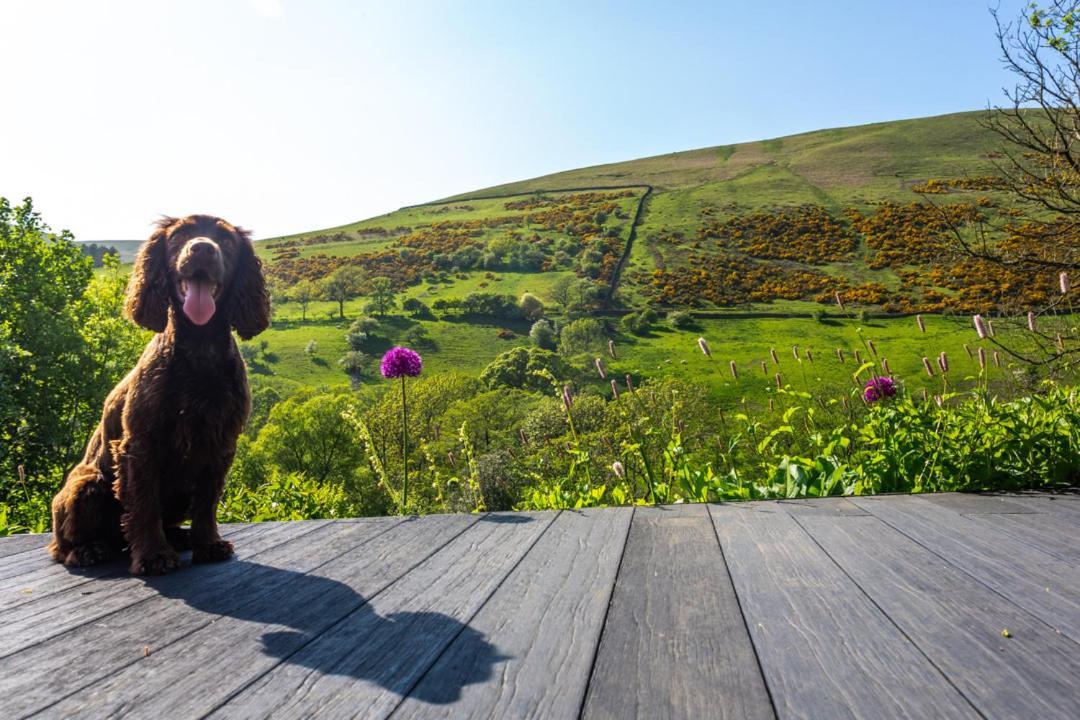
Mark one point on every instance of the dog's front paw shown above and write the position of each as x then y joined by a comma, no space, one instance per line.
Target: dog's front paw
93,553
154,563
215,551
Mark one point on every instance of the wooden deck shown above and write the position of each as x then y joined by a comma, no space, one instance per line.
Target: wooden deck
946,606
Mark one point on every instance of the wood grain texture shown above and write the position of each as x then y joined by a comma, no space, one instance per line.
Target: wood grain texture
977,503
820,506
826,650
545,622
1044,585
675,644
1054,534
252,626
958,622
38,576
58,612
365,663
172,608
14,544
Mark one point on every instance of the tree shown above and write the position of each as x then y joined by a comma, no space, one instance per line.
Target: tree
568,291
415,307
517,368
543,335
580,336
382,294
341,285
531,306
680,319
63,346
305,434
302,293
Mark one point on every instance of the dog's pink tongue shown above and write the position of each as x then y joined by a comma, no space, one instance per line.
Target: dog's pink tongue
199,302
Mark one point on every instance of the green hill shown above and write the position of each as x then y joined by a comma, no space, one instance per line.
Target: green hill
772,228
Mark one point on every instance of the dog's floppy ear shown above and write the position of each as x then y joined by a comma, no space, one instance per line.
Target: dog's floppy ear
148,290
249,302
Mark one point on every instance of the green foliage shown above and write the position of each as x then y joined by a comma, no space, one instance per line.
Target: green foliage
518,368
285,496
302,293
504,307
382,294
416,308
585,335
531,306
680,319
543,335
63,345
343,284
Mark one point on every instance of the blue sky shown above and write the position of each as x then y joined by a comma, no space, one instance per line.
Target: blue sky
285,116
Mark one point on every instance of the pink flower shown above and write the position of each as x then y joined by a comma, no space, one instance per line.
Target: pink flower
567,400
795,351
943,362
772,354
614,389
926,365
967,349
873,348
1063,282
839,354
1031,321
885,366
734,369
401,362
982,358
600,369
980,326
618,469
764,368
779,382
997,358
611,349
704,346
629,384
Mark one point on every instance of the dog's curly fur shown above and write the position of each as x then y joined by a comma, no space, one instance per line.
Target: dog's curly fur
168,430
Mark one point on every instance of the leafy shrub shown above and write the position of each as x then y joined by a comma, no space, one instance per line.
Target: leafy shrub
517,368
581,336
680,319
543,335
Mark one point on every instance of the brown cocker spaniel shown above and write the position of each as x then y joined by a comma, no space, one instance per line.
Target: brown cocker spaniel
168,431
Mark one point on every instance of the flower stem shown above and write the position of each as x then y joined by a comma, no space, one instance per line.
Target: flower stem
404,448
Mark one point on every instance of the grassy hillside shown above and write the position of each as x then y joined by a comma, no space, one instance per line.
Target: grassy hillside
754,238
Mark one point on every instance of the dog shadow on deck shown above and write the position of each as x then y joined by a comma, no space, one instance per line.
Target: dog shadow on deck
326,626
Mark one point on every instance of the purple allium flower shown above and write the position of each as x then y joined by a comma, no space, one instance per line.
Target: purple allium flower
1063,282
600,369
920,323
611,349
618,469
980,326
734,369
704,347
1031,321
401,362
879,388
927,366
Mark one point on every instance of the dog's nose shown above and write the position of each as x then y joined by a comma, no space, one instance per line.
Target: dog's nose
202,246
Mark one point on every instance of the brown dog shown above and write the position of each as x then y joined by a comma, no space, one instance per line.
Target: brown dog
168,431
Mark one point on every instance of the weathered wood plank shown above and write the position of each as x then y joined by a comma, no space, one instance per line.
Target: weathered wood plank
365,663
248,628
1054,534
820,506
977,503
37,575
958,622
1044,585
1068,505
14,544
56,613
545,622
675,643
179,604
826,651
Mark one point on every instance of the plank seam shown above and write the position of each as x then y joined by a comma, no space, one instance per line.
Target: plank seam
977,579
366,601
742,613
120,668
472,617
607,612
886,615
